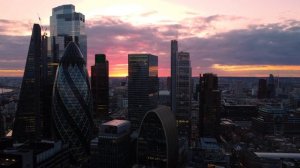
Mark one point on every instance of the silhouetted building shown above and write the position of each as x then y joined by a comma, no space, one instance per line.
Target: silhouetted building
100,87
40,154
142,86
72,103
157,143
262,89
209,105
66,25
174,52
2,125
183,94
27,125
271,87
276,120
113,144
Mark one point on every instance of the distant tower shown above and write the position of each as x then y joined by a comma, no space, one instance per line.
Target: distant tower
142,86
262,89
100,87
72,103
183,94
157,143
174,51
27,125
209,105
66,25
271,87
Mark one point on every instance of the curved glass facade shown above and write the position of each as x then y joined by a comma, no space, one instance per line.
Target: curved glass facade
157,143
72,102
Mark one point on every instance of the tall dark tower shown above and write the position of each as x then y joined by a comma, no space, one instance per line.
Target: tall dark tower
142,86
271,87
27,125
174,51
72,103
100,87
183,95
209,105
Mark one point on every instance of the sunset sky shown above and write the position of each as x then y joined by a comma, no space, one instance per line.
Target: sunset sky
226,37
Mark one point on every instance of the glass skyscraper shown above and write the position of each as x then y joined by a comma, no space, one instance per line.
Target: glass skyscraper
100,87
157,143
209,105
174,51
27,125
183,94
142,86
67,25
72,103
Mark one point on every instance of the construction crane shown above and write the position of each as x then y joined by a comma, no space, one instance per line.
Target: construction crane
44,29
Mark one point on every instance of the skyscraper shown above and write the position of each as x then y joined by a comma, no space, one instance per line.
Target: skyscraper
72,103
157,143
271,87
209,105
183,94
27,125
174,51
100,87
67,25
142,86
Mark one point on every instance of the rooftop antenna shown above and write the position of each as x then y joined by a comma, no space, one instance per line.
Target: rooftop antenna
44,29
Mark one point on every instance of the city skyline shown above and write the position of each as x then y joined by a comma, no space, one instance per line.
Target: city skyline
229,40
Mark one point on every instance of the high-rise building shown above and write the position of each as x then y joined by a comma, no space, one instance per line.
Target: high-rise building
67,25
142,86
113,144
209,105
262,89
157,142
271,87
47,80
72,103
174,51
183,94
100,87
27,125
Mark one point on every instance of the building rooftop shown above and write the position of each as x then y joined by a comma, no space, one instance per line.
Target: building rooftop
116,123
164,93
275,155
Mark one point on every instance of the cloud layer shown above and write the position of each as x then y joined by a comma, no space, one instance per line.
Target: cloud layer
212,42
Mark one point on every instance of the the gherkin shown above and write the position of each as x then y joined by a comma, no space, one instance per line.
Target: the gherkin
72,102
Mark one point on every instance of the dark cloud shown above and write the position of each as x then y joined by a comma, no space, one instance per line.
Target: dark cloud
273,44
13,51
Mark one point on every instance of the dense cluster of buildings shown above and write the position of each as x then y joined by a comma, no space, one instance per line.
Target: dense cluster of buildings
65,119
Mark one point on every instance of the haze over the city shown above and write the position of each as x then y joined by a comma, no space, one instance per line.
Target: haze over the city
228,37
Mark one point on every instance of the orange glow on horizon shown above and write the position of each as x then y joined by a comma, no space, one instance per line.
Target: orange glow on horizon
11,72
233,68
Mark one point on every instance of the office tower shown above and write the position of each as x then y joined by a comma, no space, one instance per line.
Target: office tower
174,51
67,25
46,90
2,125
262,89
157,143
27,125
271,87
113,144
100,87
183,94
142,86
209,105
72,103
